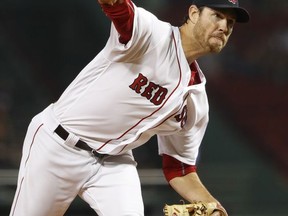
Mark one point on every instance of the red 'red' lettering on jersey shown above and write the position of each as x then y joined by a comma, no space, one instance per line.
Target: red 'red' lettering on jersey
153,92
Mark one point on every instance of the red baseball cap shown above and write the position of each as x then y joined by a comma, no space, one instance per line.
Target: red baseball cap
242,14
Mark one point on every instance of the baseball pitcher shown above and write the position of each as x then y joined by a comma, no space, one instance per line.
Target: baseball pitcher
144,82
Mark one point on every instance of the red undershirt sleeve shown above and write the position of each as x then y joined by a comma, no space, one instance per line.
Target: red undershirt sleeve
122,16
174,168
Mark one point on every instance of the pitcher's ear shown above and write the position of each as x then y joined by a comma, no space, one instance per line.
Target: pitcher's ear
193,13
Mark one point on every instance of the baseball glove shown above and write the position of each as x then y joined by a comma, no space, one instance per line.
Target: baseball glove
193,209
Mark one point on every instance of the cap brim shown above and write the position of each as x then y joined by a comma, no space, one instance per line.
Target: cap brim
242,15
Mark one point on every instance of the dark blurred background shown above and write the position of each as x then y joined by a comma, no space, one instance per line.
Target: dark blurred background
243,159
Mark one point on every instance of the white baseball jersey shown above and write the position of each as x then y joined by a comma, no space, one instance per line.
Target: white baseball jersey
128,93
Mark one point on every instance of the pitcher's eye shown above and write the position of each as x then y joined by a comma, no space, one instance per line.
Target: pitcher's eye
230,23
218,15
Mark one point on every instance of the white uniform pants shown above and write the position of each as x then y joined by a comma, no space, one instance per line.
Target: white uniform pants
52,174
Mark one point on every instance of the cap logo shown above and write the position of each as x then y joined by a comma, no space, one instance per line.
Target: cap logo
233,1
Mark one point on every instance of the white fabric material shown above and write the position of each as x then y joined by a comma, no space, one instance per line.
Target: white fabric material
52,174
101,108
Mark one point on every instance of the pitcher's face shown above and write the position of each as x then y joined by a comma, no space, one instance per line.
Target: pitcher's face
214,28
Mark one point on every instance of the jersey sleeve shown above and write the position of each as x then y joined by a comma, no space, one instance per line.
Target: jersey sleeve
184,145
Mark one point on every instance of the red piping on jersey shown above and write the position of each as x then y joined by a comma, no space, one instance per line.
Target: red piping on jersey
180,78
170,115
157,124
21,182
